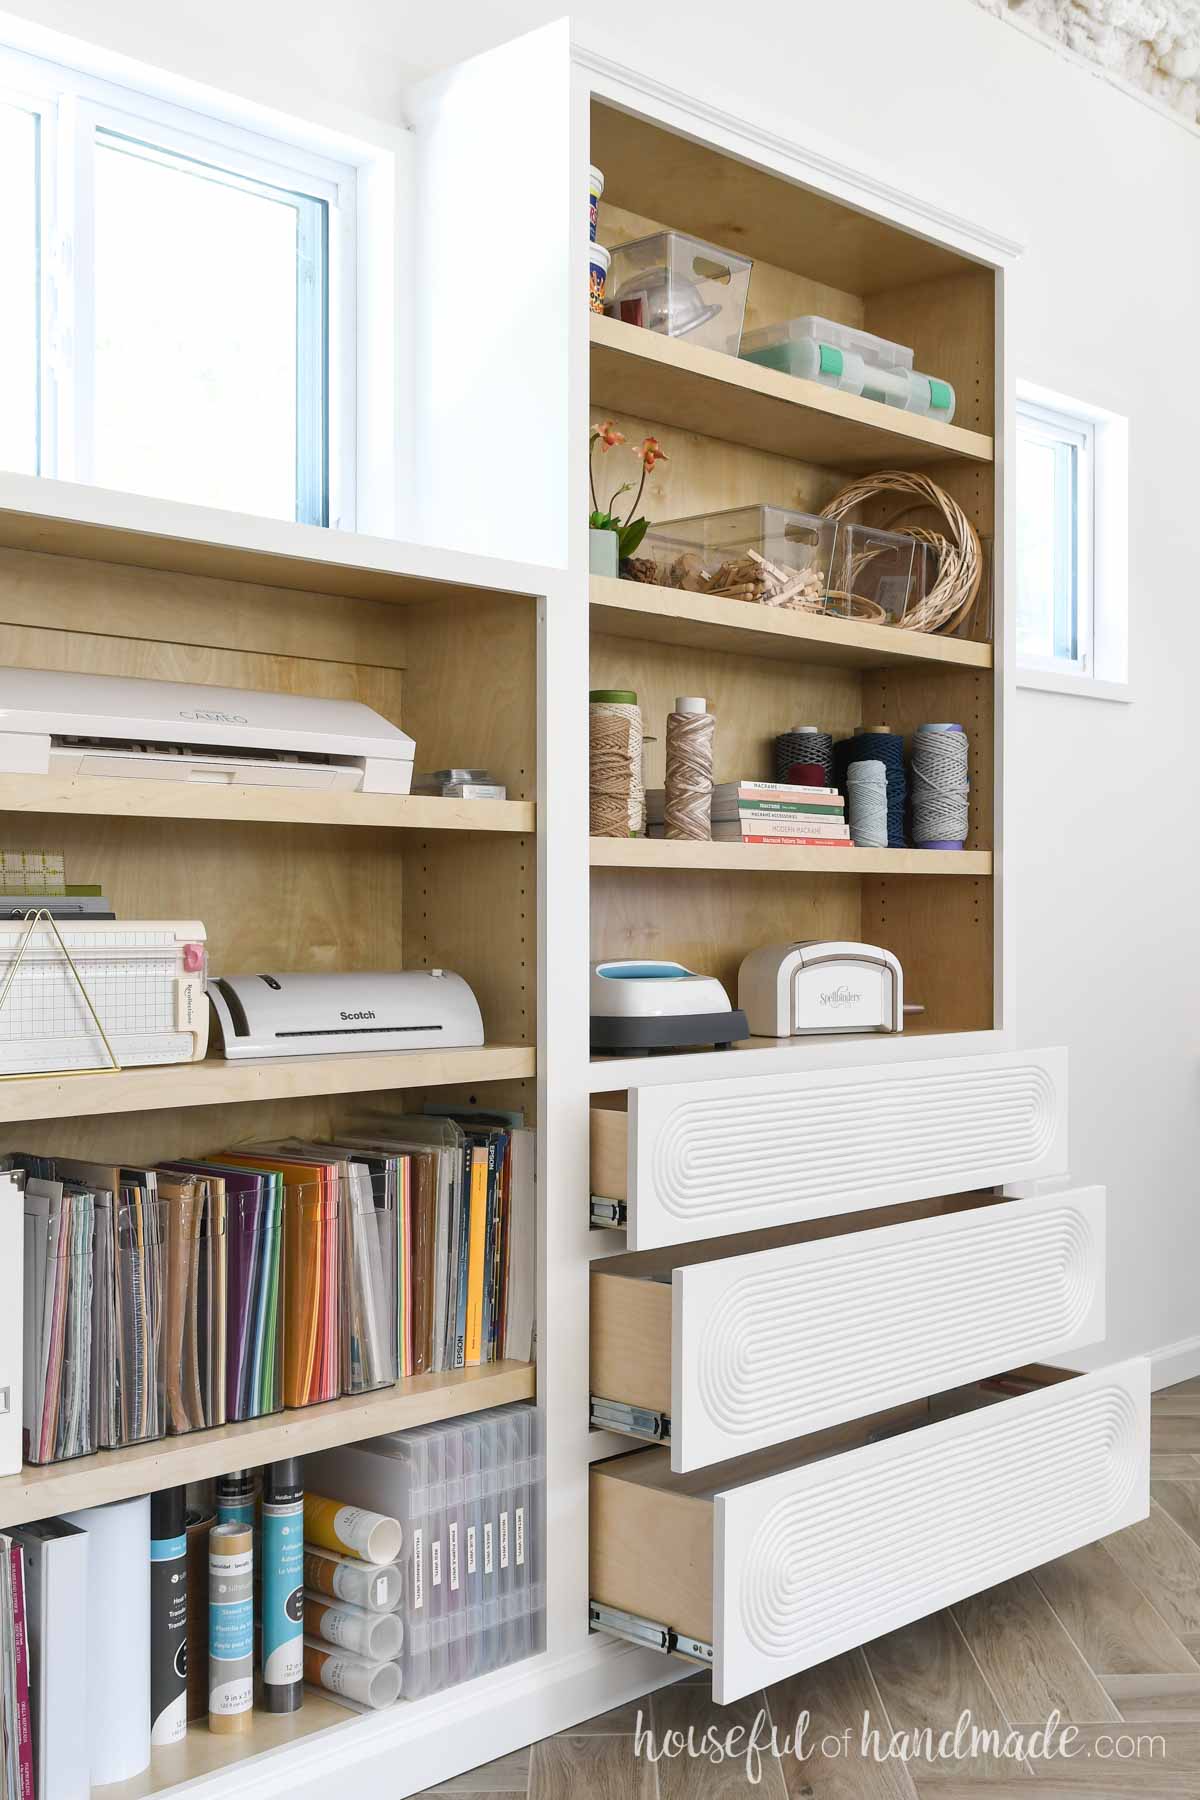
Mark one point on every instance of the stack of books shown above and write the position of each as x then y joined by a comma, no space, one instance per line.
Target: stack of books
767,812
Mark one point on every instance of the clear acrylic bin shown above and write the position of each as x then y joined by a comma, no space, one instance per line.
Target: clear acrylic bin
129,1316
764,553
58,1416
194,1326
681,287
876,575
370,1297
312,1293
254,1311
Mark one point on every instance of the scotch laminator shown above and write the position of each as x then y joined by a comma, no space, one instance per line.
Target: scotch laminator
70,724
312,1015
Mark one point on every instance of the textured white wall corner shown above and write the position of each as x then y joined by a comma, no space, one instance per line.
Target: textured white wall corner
1154,45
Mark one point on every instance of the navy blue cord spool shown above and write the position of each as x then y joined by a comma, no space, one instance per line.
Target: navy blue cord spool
803,745
886,747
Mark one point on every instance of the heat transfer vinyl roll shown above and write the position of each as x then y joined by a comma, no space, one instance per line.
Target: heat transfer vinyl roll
118,1628
168,1616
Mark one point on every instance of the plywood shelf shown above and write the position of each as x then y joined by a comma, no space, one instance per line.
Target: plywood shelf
219,1083
664,615
169,1462
676,383
663,853
97,797
204,1755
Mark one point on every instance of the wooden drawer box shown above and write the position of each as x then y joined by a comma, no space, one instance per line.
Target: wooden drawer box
695,1159
775,1562
724,1353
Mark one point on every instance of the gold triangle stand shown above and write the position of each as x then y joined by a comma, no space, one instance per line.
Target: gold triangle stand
32,921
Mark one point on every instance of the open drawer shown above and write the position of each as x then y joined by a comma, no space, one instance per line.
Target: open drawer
693,1159
773,1563
719,1353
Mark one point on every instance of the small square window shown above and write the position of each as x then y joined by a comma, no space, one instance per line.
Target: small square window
1055,508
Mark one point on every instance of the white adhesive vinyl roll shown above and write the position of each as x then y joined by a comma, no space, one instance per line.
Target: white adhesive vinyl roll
374,1685
118,1633
379,1637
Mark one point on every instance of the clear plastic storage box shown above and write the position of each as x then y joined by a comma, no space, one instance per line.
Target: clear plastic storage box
794,348
766,553
682,287
470,1499
884,570
856,362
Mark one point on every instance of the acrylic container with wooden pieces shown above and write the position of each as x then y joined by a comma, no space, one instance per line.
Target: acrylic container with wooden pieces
764,553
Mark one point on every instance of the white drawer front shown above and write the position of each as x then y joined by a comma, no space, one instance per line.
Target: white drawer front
771,1346
808,1563
707,1157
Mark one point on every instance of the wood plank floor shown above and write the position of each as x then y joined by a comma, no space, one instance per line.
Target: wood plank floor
1109,1637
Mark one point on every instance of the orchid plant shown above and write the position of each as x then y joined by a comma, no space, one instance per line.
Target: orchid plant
630,530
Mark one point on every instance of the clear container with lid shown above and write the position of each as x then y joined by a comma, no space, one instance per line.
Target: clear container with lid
682,287
796,347
855,362
765,553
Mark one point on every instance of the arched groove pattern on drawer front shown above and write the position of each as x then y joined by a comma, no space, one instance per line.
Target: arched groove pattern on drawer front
787,1347
783,1149
878,1541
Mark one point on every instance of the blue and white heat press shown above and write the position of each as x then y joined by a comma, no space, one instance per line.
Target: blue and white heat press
642,1006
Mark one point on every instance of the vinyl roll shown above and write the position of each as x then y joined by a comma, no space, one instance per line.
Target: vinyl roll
118,1629
374,1685
351,1530
377,1637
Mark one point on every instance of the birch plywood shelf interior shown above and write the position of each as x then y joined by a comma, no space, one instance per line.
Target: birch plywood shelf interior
736,434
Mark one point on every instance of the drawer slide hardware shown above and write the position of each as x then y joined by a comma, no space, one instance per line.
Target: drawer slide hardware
633,1421
648,1633
608,1215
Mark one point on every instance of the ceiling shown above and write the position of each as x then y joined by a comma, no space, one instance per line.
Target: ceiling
1153,45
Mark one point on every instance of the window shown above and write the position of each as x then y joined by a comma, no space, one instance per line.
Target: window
1071,508
1054,541
178,311
20,290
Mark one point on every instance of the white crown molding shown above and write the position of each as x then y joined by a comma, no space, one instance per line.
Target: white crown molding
820,163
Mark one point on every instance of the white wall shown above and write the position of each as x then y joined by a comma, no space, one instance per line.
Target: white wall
1105,191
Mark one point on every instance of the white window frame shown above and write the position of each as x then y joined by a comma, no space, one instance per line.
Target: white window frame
72,105
1100,669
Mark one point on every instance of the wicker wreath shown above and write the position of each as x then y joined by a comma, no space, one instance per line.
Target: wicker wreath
959,556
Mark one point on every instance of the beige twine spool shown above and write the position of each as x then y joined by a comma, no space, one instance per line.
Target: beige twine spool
616,795
687,806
